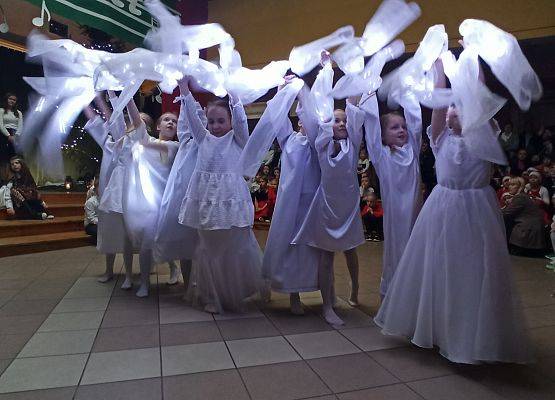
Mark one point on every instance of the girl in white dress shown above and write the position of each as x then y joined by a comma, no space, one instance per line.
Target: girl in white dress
333,221
393,144
145,182
111,237
290,268
218,204
175,241
453,287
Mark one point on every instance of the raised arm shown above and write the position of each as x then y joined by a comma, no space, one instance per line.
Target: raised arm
373,132
355,121
438,115
96,127
239,121
197,125
273,122
413,118
116,128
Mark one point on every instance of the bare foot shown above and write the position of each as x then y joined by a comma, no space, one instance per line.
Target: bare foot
143,291
127,284
296,305
105,278
331,317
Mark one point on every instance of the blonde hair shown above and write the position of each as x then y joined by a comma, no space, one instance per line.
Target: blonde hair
517,180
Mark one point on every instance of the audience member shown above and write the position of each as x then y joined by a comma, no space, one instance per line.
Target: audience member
25,197
11,126
524,220
372,217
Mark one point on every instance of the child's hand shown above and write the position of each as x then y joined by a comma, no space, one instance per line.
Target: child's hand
10,211
325,58
288,80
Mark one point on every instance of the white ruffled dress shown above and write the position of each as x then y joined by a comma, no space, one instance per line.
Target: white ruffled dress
453,287
218,204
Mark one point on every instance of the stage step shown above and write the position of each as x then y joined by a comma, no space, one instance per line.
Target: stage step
67,209
34,227
16,245
64,197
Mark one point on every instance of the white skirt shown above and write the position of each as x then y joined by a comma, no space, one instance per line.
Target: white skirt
453,287
228,269
112,234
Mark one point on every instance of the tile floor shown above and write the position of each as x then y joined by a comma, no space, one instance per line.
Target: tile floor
65,336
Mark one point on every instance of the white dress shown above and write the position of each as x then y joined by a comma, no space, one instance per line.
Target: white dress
288,267
175,241
218,196
399,175
111,230
453,286
146,179
333,221
219,206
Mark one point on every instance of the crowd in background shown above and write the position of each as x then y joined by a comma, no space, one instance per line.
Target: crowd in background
525,188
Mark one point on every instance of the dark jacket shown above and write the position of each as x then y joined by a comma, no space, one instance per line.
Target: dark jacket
527,220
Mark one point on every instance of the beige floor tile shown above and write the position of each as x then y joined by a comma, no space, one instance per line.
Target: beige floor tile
191,358
142,389
452,387
81,305
58,343
124,365
261,351
351,372
225,384
288,381
321,344
72,321
370,339
42,373
392,392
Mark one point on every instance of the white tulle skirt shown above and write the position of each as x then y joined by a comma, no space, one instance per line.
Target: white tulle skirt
453,287
227,271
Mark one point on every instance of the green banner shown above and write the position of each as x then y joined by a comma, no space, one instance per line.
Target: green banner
125,19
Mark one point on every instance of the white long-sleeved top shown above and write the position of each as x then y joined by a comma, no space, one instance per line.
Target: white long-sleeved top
8,120
218,196
399,173
91,211
5,196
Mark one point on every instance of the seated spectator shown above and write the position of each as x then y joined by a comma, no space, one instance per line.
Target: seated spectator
539,194
503,189
264,202
365,188
524,219
509,139
25,197
535,190
372,218
6,198
274,180
363,163
91,211
519,164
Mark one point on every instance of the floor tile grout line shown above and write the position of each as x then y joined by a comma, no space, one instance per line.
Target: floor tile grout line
92,347
233,360
160,336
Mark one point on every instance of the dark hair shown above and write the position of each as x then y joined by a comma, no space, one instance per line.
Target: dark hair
219,103
5,102
26,176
